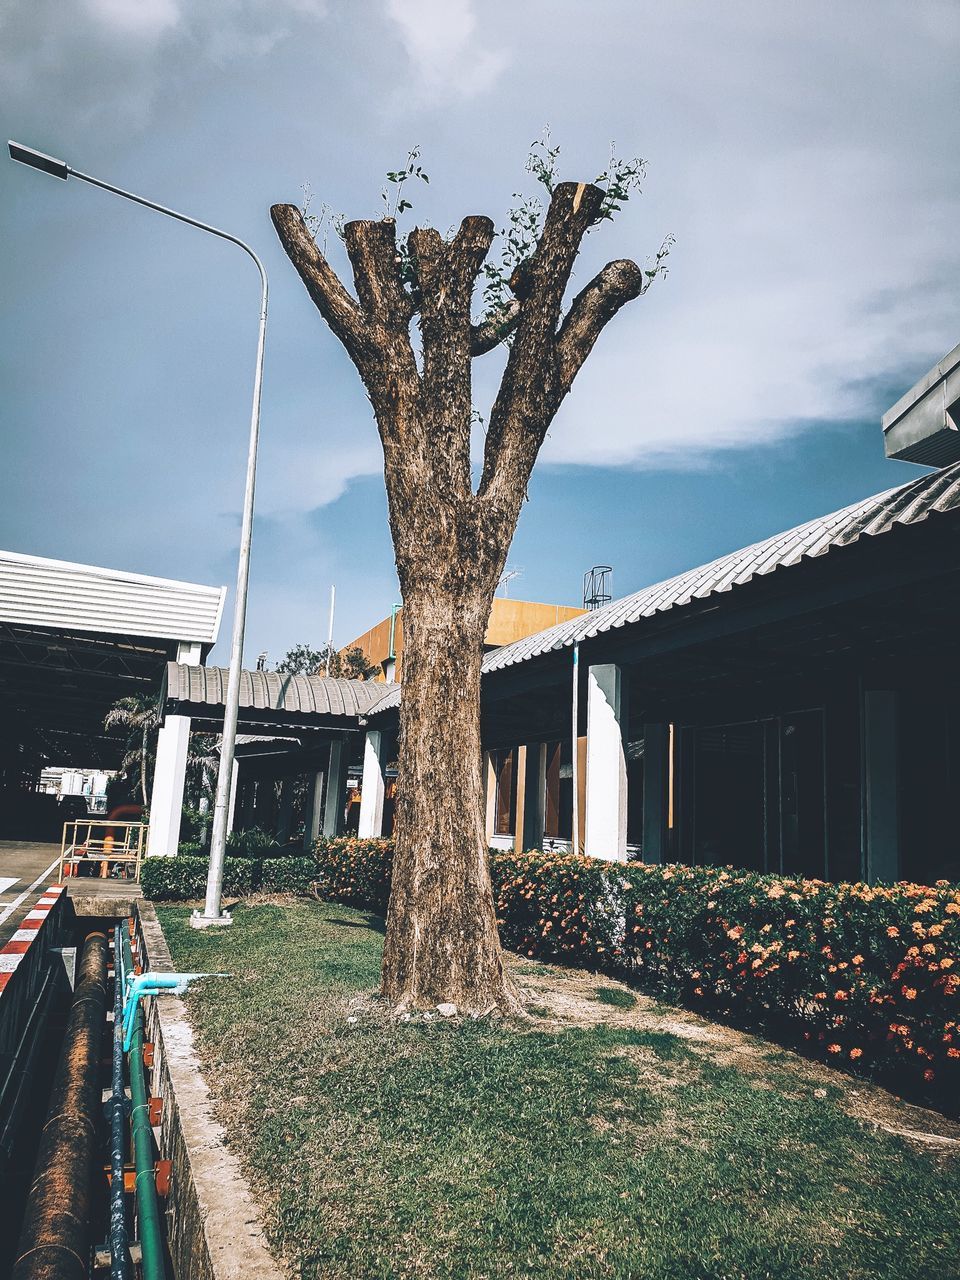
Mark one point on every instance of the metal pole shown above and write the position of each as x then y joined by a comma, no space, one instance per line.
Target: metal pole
212,913
333,601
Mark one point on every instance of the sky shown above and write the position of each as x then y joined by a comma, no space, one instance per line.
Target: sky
802,155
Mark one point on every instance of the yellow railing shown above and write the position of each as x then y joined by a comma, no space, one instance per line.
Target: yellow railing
112,847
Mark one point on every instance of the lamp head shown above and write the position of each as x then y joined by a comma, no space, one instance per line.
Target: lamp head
37,160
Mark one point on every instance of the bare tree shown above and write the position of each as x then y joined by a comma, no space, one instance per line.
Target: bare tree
451,539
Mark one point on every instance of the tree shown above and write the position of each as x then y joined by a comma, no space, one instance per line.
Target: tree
450,538
344,664
301,660
136,714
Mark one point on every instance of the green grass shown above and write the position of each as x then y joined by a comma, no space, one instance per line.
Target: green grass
475,1150
618,997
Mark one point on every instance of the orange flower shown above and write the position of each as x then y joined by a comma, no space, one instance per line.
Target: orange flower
840,995
856,1053
909,992
893,931
953,1053
833,1048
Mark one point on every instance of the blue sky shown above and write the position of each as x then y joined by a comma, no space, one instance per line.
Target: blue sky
802,155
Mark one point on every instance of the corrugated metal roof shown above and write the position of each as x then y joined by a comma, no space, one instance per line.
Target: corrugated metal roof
273,691
909,504
60,595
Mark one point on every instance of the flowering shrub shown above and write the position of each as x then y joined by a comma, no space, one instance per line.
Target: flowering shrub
355,871
867,976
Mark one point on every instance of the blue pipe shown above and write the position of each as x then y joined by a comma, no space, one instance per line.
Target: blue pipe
154,984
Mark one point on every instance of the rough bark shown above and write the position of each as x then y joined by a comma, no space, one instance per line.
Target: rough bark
450,542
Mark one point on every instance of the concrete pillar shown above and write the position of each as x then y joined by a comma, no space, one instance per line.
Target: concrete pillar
605,830
534,784
170,772
372,788
311,818
234,785
333,798
489,796
285,812
882,795
264,804
656,781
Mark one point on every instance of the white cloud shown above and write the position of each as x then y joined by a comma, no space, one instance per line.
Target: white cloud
143,19
441,39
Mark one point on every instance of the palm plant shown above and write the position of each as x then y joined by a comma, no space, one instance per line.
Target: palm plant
137,714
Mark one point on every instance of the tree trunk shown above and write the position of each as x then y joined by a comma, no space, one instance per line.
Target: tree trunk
450,539
442,942
143,764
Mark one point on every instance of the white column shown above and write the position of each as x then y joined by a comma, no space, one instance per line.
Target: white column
311,819
170,772
605,834
534,783
232,811
285,812
373,785
334,798
490,796
882,789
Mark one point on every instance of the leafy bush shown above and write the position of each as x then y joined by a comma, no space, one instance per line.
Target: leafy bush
251,843
285,875
355,871
185,876
864,975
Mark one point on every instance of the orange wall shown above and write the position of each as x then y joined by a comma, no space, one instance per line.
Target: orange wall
509,620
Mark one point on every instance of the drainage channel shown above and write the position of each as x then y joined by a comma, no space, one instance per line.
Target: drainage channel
91,1207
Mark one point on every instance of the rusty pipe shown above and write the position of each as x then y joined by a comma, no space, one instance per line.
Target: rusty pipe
55,1236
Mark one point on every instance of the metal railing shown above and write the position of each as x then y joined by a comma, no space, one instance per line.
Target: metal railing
117,847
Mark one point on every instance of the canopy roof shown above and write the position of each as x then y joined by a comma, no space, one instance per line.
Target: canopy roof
74,638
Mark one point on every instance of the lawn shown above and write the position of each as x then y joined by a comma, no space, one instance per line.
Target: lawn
606,1138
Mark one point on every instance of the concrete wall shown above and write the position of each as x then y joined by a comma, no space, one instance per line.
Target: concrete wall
213,1225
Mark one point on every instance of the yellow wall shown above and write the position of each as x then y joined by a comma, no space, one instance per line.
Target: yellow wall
509,620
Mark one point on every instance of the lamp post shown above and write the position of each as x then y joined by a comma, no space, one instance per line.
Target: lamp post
213,913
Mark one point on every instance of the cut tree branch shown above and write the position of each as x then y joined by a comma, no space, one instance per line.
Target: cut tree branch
593,308
341,312
489,333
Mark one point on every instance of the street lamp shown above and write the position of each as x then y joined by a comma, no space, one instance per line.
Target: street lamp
213,913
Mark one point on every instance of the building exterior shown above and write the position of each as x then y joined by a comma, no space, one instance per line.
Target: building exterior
74,638
510,620
790,707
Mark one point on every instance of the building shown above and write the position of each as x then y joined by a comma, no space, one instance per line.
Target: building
74,638
790,707
510,620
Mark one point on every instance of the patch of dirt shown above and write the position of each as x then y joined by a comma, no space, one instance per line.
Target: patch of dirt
567,997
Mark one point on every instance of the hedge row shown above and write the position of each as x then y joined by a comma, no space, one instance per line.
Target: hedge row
866,975
185,876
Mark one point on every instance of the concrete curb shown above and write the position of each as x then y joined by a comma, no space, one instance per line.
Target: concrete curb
213,1223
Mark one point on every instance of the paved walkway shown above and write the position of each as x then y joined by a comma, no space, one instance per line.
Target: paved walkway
26,869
